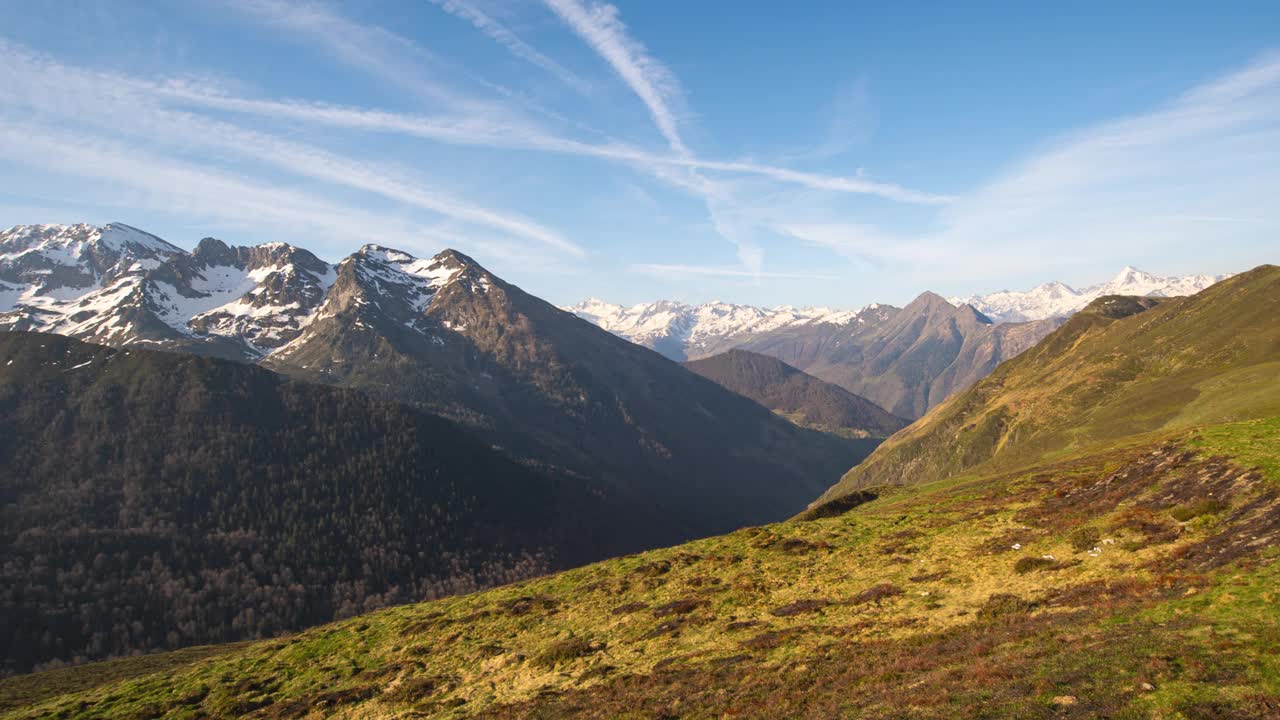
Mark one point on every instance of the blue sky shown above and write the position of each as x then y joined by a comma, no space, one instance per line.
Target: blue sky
817,153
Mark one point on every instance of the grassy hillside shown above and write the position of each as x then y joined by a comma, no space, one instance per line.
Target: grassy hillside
1136,579
1121,367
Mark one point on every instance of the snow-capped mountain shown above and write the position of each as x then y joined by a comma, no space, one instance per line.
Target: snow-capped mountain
116,285
1055,299
682,331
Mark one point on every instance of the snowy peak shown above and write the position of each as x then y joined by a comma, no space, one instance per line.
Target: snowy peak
118,285
390,291
682,331
387,274
58,261
1056,299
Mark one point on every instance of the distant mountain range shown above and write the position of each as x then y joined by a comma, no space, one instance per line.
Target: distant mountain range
904,359
682,331
1055,299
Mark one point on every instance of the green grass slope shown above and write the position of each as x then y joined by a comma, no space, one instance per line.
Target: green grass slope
1135,580
1121,367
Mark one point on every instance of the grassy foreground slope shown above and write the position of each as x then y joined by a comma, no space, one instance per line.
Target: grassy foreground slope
1120,367
1134,580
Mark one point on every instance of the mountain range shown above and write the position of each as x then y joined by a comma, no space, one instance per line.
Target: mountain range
443,334
1090,531
906,360
1055,299
118,285
682,331
467,397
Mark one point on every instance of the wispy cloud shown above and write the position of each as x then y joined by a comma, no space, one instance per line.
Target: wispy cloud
144,179
1124,186
118,106
599,26
650,80
503,35
484,124
656,86
484,131
1202,169
375,50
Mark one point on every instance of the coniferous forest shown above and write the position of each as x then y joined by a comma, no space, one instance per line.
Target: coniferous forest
166,500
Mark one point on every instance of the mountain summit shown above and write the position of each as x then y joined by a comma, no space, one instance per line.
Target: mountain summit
117,285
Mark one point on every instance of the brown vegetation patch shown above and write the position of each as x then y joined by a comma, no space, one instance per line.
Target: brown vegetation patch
653,569
724,662
799,607
877,593
1006,542
629,608
678,607
1033,564
671,627
1089,495
529,603
1100,593
306,705
564,650
928,577
1253,526
1004,608
770,639
839,506
1155,528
